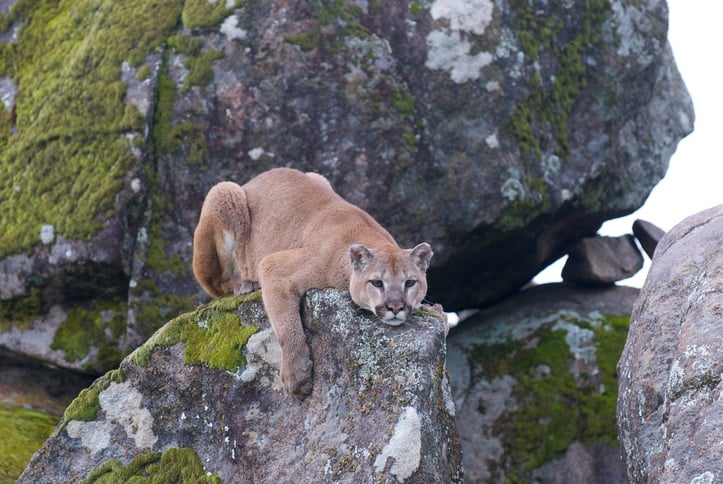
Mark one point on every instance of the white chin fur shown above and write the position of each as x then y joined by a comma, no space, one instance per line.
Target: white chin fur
392,322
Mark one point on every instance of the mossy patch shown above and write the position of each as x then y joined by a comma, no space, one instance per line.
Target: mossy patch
69,155
213,335
204,13
553,407
98,325
24,431
540,122
200,69
174,465
86,405
337,20
20,312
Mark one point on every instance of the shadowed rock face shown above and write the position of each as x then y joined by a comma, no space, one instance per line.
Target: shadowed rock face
670,411
499,134
380,409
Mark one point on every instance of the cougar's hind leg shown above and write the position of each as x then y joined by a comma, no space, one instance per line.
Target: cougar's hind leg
219,239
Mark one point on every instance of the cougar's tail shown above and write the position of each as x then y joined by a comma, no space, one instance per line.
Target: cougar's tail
222,226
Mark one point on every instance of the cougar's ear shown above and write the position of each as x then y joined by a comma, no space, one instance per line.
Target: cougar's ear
359,256
421,255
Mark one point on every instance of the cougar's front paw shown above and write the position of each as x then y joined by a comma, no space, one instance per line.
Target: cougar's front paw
297,377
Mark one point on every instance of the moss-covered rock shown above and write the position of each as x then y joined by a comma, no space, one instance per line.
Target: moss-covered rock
208,383
535,382
173,465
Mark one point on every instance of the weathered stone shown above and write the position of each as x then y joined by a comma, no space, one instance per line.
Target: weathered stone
602,260
670,404
648,235
498,132
535,386
381,408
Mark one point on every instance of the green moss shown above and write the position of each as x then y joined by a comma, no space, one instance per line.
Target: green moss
213,335
403,102
181,465
99,325
416,9
540,122
306,42
201,68
159,307
24,431
217,341
554,409
70,154
86,405
205,14
345,18
143,73
185,44
20,312
161,135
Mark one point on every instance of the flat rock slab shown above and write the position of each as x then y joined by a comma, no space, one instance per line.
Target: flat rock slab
670,404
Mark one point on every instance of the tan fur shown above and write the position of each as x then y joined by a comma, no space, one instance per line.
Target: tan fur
289,232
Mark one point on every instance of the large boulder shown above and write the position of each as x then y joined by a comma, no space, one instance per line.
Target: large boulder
670,404
499,132
208,383
535,385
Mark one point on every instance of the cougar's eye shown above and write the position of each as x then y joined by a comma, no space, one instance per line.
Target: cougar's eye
410,283
377,283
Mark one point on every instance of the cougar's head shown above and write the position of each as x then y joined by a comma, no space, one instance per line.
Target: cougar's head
388,281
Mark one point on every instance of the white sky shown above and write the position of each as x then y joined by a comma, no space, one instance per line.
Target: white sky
694,178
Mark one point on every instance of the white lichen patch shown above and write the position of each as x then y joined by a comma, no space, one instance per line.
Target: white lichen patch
468,15
448,48
256,153
404,447
47,234
580,340
95,436
705,478
8,90
262,348
231,30
512,189
121,403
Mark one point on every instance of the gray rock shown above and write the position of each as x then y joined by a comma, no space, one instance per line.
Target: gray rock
670,407
648,235
381,408
602,260
499,140
535,386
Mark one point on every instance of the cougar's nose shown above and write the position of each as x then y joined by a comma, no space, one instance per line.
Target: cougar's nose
395,306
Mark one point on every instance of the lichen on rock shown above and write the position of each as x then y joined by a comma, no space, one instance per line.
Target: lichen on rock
385,418
537,379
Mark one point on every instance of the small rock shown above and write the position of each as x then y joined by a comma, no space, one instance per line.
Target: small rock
648,235
602,260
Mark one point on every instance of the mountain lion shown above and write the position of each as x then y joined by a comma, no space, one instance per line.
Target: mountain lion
288,232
